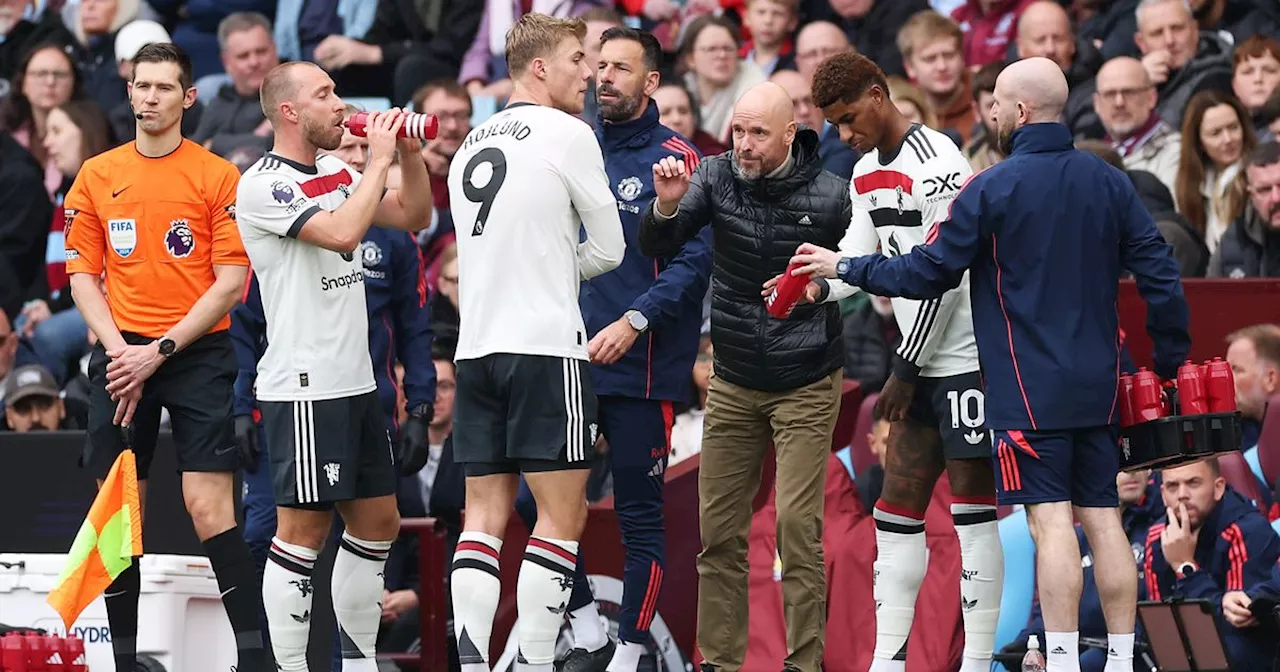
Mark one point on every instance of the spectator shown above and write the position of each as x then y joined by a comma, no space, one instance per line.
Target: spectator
129,40
931,53
815,43
771,23
1188,245
484,67
32,402
444,317
24,229
446,99
195,27
1140,507
1267,118
869,483
989,26
50,320
1255,73
1217,135
686,433
21,34
9,352
46,78
872,25
1234,20
983,151
871,335
1212,541
234,118
1251,247
1180,59
1125,100
677,112
95,24
1044,29
714,74
837,157
402,49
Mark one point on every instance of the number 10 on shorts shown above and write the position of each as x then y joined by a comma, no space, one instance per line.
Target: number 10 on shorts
966,408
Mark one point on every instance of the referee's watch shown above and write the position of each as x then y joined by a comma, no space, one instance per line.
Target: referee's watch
168,346
637,320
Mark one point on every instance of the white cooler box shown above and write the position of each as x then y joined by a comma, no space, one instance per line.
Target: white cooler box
181,621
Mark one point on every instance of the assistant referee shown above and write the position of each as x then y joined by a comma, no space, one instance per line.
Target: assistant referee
158,217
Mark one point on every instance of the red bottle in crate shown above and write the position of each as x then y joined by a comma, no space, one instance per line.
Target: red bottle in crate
1220,387
73,652
1148,403
787,293
420,126
13,653
37,654
1191,390
55,649
1126,399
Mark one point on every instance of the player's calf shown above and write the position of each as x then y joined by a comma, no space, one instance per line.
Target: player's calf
973,511
474,582
546,575
372,525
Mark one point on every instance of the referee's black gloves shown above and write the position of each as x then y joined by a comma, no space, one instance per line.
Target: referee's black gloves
414,444
247,443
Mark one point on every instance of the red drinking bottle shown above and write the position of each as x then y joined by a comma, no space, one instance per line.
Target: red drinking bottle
1191,392
1147,402
787,293
37,654
13,653
73,652
56,649
420,126
1126,399
1220,387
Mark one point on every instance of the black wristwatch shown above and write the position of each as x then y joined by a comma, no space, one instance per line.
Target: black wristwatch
168,346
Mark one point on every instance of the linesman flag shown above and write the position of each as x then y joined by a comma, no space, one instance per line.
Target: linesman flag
106,544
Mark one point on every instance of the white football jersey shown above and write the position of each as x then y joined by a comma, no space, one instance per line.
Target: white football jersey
899,201
522,188
313,298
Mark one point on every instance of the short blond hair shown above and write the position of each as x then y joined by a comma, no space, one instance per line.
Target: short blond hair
537,36
924,27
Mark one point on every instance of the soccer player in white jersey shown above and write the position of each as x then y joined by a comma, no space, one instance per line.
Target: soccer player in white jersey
302,219
522,187
902,190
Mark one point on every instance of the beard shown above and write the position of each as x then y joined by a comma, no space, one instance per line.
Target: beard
1004,138
621,108
327,137
750,174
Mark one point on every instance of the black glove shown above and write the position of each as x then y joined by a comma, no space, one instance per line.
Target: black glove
413,440
247,443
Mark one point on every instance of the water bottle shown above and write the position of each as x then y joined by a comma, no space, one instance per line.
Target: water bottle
1034,660
420,126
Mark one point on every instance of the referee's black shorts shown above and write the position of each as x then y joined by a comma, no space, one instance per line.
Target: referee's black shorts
196,385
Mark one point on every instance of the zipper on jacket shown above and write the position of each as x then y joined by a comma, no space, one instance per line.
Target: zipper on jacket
762,324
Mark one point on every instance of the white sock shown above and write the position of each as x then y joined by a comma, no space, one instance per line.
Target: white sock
542,596
899,570
1119,653
981,580
588,630
1062,651
286,595
357,599
626,658
475,586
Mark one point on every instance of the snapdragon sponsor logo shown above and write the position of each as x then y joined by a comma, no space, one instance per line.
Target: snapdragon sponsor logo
351,279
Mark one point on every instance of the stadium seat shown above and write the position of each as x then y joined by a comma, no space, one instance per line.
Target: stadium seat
1269,442
1019,577
860,450
847,419
1239,476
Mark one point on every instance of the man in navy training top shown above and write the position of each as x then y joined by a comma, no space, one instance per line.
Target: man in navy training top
644,319
396,294
1045,234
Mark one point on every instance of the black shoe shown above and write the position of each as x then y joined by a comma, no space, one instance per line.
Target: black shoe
582,660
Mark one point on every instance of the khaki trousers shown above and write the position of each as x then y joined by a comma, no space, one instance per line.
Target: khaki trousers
738,425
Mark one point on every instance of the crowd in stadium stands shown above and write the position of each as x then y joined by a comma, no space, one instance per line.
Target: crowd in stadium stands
1183,95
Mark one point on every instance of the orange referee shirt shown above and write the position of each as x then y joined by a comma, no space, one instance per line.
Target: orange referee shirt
157,226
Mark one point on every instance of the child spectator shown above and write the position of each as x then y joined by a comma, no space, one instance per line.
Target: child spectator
771,23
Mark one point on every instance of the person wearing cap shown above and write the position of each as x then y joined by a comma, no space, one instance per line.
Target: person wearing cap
31,400
134,36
